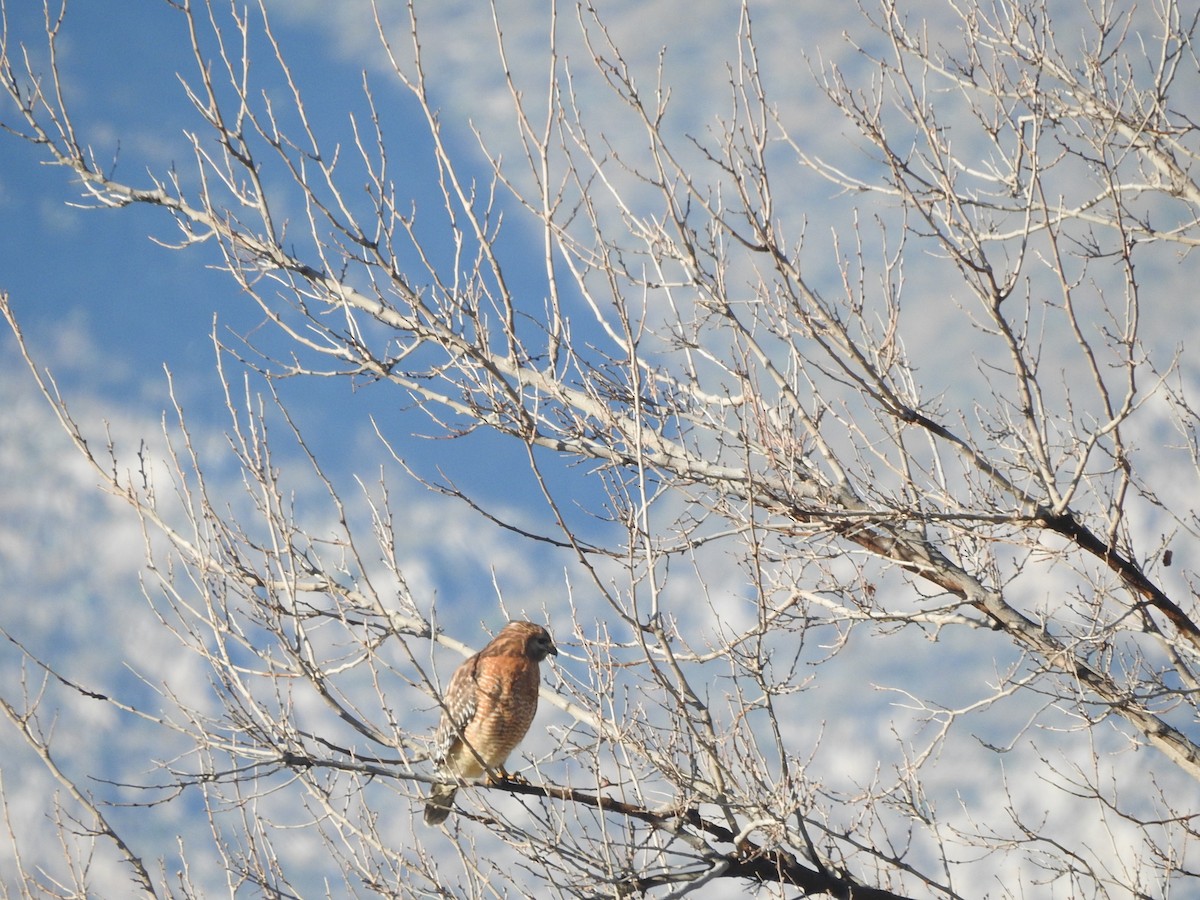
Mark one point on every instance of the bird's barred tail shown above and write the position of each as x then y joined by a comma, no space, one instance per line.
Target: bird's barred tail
437,808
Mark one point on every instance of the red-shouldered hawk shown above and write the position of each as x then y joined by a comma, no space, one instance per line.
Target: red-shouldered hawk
488,708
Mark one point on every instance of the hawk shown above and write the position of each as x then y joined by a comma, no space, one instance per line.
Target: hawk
488,707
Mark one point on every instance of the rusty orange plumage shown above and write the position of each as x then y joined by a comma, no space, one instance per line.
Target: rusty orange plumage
487,709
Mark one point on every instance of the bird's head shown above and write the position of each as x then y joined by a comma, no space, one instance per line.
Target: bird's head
535,640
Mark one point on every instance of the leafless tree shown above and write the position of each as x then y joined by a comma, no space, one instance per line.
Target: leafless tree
930,473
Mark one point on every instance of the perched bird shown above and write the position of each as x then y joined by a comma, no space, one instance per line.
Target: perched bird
488,707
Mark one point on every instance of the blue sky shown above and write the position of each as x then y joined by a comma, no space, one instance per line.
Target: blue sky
96,278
